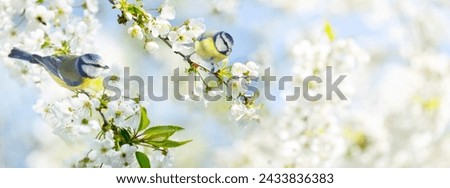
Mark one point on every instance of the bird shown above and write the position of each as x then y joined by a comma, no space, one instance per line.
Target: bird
214,47
76,73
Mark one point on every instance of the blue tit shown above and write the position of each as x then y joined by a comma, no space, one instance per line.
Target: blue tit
214,48
70,71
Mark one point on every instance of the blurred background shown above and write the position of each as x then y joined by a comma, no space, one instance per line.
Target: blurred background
397,114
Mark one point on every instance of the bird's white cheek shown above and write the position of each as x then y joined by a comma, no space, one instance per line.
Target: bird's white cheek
220,45
91,71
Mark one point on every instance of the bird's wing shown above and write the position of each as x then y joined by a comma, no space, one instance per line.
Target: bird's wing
49,63
61,67
69,72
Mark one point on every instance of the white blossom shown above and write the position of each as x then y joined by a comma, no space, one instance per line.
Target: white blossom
39,14
158,26
92,6
123,114
64,7
167,11
196,27
102,150
151,47
248,69
239,69
125,157
159,160
180,39
128,16
239,112
84,105
136,32
253,69
36,39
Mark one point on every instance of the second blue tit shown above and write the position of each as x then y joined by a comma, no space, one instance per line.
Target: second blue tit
214,47
70,71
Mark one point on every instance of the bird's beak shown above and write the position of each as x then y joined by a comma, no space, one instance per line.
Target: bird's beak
105,67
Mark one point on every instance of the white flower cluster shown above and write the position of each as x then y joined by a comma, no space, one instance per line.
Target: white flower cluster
399,103
343,56
308,134
410,104
79,115
103,154
72,116
415,114
48,27
111,127
144,26
311,133
242,107
242,70
242,75
182,38
124,114
82,118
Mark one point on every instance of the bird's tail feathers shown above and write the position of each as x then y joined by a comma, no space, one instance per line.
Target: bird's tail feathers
20,54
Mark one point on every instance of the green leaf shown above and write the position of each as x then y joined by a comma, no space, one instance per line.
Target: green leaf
47,42
160,133
329,31
125,135
136,10
143,160
64,49
144,120
168,143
